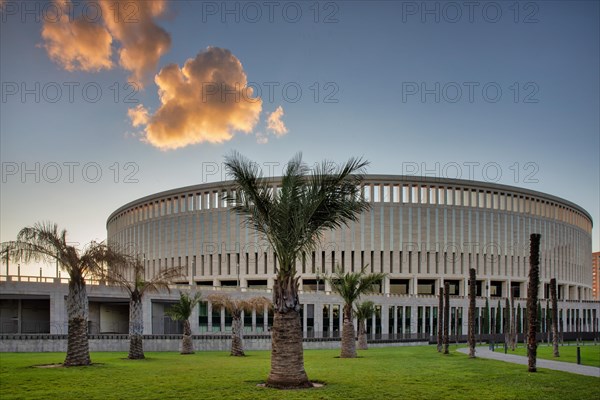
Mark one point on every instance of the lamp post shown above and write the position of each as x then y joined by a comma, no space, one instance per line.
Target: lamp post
237,265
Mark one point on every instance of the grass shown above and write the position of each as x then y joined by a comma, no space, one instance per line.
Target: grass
590,354
383,373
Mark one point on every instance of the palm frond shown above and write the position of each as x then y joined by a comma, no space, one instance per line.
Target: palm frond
45,242
364,310
236,306
351,285
182,310
308,203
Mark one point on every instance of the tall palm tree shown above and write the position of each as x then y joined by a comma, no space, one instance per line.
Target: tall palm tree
446,316
363,312
513,321
532,299
440,331
293,219
182,311
130,275
45,242
350,286
235,308
472,298
553,296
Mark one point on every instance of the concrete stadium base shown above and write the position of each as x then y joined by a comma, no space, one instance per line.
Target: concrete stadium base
58,343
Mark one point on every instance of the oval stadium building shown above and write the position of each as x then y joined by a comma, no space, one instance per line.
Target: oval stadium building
422,232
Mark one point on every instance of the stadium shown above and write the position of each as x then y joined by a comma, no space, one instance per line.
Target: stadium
421,231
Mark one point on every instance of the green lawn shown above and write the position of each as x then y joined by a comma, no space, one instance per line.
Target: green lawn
590,354
384,373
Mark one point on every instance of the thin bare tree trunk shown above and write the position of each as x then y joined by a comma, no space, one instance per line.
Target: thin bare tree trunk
507,322
446,316
187,344
348,339
237,341
78,350
287,355
136,328
553,296
532,299
440,320
472,294
362,335
513,321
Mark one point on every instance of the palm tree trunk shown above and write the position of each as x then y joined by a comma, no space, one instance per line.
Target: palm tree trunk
513,322
348,338
362,335
472,294
554,317
187,345
440,320
446,316
136,328
287,354
237,343
532,300
78,350
506,325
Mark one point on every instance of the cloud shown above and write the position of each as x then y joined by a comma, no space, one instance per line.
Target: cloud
143,42
275,124
138,115
83,44
262,138
77,44
205,101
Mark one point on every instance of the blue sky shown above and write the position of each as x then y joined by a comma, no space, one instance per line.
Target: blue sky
511,86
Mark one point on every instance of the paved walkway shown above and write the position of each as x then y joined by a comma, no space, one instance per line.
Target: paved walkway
573,368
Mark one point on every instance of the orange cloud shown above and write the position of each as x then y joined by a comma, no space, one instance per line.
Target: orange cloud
77,44
81,44
143,42
205,101
275,124
138,115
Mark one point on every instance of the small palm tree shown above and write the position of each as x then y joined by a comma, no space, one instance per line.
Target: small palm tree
130,275
45,242
182,311
363,312
235,308
350,286
293,219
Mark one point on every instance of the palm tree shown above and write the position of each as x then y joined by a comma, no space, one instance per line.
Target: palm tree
363,312
130,275
486,317
350,286
498,320
293,219
45,242
446,316
182,311
513,321
235,308
472,296
553,296
532,299
440,331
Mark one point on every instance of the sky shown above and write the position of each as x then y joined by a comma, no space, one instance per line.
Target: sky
103,102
